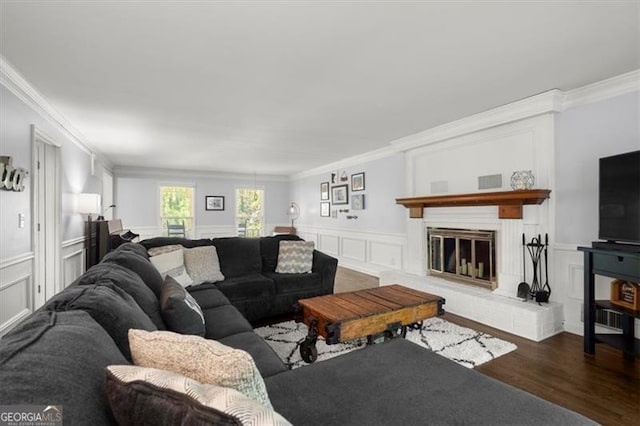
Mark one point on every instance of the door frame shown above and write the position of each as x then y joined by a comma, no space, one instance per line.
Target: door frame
45,226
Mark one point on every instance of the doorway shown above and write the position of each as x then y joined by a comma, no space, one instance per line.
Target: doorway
45,216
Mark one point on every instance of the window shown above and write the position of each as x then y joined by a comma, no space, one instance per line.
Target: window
176,210
249,212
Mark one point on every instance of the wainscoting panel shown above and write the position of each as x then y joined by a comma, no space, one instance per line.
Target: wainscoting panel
368,252
73,261
215,231
354,249
16,298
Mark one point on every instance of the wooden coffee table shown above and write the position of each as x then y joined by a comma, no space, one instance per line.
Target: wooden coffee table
382,312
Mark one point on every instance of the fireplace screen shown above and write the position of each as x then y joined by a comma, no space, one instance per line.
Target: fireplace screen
467,256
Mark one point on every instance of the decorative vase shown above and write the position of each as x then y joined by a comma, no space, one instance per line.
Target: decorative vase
522,179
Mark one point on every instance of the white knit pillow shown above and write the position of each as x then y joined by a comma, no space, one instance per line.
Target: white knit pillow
203,265
204,360
172,263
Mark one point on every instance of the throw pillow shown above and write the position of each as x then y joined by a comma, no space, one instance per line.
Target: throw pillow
295,257
172,264
148,396
154,251
206,361
203,265
179,309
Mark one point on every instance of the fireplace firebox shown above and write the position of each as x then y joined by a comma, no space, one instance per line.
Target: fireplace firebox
466,256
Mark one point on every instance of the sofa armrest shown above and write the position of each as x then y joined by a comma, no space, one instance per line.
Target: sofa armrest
326,266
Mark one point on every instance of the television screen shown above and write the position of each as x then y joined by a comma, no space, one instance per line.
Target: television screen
620,198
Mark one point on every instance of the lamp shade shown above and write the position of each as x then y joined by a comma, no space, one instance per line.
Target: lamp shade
89,203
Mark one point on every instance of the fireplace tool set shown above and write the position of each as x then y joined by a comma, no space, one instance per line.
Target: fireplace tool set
536,291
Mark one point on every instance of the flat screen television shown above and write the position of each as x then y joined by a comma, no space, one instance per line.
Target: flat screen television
619,198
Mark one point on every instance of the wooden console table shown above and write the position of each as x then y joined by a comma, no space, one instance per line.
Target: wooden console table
616,264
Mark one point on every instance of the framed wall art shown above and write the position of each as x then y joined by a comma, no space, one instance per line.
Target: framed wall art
357,182
325,209
340,194
357,202
214,202
324,191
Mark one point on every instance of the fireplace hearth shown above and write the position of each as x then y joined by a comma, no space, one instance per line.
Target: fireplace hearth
465,256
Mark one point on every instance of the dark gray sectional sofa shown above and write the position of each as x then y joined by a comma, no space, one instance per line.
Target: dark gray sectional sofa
57,356
251,283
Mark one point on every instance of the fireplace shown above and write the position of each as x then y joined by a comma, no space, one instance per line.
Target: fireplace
466,256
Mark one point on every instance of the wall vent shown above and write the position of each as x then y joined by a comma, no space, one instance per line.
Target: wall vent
440,187
607,318
490,181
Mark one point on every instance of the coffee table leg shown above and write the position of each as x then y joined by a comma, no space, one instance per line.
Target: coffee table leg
308,351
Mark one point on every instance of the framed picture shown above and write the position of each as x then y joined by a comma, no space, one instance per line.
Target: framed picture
340,194
357,202
324,191
214,202
357,182
324,209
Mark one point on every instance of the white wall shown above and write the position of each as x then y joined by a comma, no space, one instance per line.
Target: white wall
374,241
137,198
16,249
583,135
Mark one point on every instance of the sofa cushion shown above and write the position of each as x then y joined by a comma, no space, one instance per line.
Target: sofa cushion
172,264
296,283
130,282
109,306
147,396
180,312
165,241
133,247
295,257
267,361
223,321
251,287
208,295
59,358
239,256
269,250
138,264
202,264
204,360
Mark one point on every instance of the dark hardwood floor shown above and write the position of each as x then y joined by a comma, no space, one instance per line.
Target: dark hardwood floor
605,387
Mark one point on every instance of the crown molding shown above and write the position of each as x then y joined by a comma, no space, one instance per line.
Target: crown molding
149,172
21,88
601,90
347,162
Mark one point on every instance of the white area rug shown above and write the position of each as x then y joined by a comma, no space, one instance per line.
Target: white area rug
462,345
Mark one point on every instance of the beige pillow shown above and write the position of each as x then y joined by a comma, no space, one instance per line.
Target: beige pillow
295,257
172,263
204,360
154,251
203,265
128,386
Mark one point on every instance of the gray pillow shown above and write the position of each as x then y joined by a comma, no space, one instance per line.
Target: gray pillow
140,265
59,358
179,309
130,282
109,306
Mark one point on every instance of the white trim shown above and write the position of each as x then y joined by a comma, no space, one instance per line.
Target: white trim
16,280
601,90
73,242
15,320
19,86
133,172
5,263
347,162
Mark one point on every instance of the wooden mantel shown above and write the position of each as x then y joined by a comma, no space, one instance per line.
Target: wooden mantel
509,202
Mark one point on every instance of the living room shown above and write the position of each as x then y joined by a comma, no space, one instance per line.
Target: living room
553,101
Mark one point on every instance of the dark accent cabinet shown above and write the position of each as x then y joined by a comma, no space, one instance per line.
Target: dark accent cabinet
98,242
621,264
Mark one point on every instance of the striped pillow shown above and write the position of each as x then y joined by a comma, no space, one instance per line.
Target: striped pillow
141,395
295,257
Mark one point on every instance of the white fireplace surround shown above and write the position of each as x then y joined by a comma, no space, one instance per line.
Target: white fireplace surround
455,164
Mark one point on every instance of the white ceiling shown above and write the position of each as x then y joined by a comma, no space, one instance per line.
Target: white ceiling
281,87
